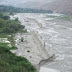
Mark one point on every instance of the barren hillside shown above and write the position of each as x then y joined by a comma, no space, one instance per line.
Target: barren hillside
61,6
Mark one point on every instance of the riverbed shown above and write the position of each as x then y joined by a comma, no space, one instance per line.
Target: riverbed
57,35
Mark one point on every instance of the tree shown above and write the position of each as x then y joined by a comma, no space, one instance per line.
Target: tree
11,13
6,17
16,19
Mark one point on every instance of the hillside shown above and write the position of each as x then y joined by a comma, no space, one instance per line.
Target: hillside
61,6
24,3
35,3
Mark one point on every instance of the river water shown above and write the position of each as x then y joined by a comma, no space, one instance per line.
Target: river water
57,35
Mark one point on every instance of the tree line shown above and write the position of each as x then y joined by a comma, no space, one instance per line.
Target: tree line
9,26
22,10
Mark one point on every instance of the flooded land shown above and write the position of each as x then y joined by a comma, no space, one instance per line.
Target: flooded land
56,31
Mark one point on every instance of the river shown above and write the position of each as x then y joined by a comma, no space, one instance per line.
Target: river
57,35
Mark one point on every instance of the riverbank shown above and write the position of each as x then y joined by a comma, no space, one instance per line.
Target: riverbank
10,62
33,47
57,34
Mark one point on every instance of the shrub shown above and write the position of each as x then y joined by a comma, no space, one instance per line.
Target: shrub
16,19
28,51
22,39
25,30
13,47
11,13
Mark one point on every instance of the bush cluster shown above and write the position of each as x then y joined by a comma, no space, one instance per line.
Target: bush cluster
10,26
9,62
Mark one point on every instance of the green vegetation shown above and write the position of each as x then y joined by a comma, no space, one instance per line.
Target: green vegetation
13,48
16,19
9,62
11,13
22,39
11,39
22,10
4,16
3,35
65,17
24,31
28,51
10,26
51,16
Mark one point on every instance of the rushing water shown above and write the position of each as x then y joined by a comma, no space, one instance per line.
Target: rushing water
58,37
